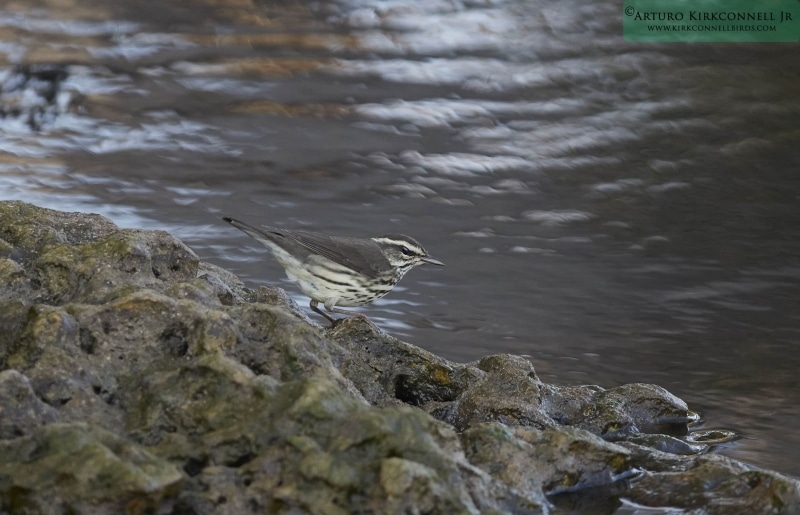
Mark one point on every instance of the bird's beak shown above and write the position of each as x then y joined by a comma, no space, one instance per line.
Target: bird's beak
431,261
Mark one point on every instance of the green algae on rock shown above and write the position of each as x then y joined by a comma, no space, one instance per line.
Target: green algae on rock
80,467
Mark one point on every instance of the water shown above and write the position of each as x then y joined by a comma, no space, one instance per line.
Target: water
617,212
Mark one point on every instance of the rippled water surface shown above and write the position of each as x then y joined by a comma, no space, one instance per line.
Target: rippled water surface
617,212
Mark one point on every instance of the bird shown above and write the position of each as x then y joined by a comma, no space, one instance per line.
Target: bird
340,271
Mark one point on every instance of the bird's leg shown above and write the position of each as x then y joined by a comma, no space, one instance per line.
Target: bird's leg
330,306
314,307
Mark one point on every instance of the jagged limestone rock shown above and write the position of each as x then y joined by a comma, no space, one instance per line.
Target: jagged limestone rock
76,468
21,411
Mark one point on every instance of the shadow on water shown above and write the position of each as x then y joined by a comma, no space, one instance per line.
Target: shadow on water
617,212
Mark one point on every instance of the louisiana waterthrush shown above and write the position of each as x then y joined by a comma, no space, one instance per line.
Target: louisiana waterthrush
338,271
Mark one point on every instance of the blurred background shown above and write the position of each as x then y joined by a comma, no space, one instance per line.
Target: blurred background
615,212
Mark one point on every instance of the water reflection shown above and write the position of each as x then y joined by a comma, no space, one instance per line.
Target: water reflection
617,212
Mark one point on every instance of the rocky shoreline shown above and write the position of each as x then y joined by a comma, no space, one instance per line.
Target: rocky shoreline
135,378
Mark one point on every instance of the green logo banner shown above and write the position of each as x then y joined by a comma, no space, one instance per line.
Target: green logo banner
711,21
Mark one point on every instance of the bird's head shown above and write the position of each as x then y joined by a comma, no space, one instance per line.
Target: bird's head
404,252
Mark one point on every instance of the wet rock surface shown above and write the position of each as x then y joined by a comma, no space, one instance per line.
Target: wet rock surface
136,378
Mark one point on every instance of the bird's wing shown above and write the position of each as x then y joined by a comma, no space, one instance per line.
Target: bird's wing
363,256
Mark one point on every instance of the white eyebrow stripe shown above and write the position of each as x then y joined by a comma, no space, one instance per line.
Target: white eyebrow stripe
400,243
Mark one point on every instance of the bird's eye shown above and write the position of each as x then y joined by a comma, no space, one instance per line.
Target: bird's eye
405,250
